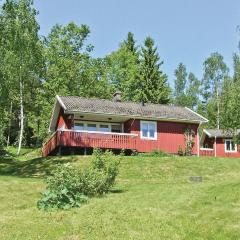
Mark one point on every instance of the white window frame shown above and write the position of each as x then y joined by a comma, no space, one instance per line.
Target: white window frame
155,132
225,146
98,125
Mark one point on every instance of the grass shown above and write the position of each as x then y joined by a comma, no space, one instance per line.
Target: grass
153,199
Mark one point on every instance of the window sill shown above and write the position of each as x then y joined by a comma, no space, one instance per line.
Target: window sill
147,138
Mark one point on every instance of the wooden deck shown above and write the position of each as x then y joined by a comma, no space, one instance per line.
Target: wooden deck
71,138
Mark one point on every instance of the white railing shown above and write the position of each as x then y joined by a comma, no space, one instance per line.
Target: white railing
206,149
98,132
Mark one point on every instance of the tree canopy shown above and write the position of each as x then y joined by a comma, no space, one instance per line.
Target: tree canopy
34,69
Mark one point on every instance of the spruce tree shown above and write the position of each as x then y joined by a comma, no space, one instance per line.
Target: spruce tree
180,85
152,82
130,43
193,92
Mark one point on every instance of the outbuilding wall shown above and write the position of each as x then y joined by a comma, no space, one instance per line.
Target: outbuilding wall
220,147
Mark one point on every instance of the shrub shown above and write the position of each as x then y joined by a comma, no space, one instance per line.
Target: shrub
70,187
155,153
180,151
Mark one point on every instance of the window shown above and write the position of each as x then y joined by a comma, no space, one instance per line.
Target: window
230,146
78,126
97,126
91,127
148,130
116,128
103,128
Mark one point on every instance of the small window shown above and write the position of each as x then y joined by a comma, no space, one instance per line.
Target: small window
91,127
116,128
103,128
79,126
230,146
148,130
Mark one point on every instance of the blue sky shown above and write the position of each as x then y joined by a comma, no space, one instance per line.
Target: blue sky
185,31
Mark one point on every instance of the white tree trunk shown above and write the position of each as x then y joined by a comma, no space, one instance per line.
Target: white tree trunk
218,110
21,118
9,125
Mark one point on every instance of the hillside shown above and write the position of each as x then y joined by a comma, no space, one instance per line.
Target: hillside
153,199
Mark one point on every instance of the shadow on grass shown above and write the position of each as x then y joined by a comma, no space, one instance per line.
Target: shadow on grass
117,190
37,167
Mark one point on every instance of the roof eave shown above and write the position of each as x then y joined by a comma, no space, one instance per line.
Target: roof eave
136,116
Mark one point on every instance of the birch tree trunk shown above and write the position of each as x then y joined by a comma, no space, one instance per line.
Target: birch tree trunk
218,110
21,117
9,125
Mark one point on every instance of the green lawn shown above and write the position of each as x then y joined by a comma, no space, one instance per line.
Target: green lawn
153,199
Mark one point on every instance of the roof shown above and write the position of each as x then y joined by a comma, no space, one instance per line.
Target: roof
219,133
73,104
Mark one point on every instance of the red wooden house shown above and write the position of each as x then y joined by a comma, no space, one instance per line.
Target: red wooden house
218,143
79,124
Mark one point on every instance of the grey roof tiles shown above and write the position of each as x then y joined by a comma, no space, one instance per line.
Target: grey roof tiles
102,106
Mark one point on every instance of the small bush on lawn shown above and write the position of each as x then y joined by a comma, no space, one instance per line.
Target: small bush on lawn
70,187
155,153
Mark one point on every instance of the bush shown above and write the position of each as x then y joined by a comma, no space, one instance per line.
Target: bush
155,153
70,187
180,151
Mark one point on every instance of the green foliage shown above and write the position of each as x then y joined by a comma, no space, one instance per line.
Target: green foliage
180,151
151,81
70,187
147,192
186,88
37,68
189,136
121,72
180,85
215,72
155,153
193,92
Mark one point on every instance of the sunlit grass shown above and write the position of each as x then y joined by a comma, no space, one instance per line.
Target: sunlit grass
153,199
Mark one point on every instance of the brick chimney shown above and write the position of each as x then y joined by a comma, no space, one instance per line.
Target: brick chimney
117,96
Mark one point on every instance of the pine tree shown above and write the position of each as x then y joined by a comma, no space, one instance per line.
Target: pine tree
130,43
152,82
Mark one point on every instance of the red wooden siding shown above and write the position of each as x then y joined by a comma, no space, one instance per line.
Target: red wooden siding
207,152
170,135
64,120
220,148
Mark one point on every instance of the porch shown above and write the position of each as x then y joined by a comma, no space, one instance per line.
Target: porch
89,139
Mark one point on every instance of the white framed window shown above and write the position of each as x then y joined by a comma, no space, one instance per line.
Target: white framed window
91,127
230,146
78,126
104,128
148,130
97,126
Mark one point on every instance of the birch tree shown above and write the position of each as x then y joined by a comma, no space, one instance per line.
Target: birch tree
23,53
215,70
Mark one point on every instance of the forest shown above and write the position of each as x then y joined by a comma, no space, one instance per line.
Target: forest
34,69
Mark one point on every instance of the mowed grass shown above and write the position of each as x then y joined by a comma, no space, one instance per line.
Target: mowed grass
153,199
